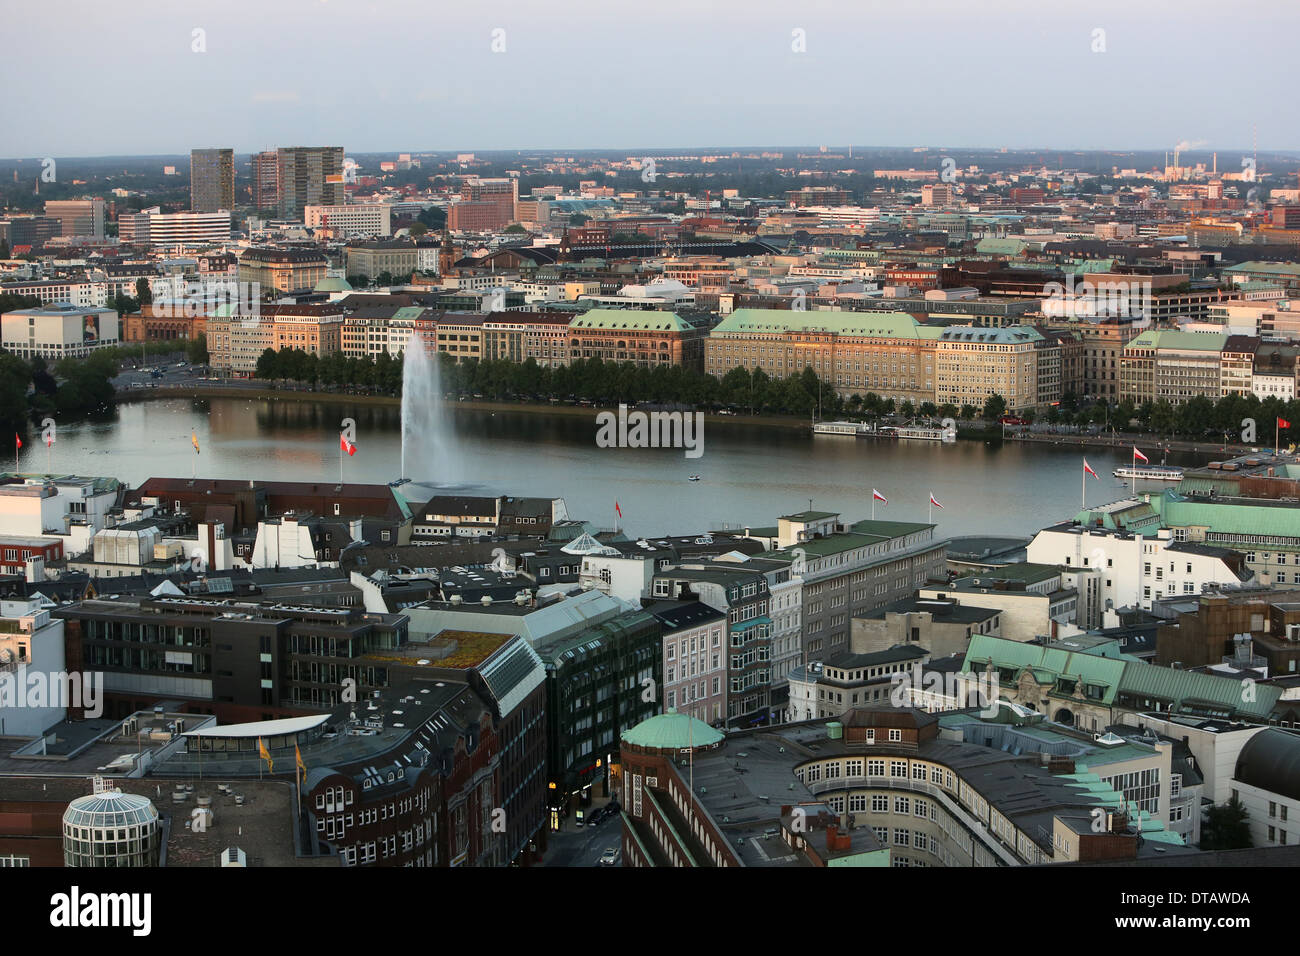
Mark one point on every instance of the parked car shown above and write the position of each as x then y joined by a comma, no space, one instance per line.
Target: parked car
609,857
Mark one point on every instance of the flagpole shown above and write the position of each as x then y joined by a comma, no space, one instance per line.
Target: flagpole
1083,491
1133,484
340,464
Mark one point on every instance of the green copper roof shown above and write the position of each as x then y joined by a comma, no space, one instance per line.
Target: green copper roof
892,325
633,320
671,731
1177,689
1183,341
1228,517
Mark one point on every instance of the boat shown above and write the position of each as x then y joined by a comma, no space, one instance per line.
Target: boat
1150,472
851,429
920,433
693,478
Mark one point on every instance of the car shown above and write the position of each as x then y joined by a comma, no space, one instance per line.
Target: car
609,857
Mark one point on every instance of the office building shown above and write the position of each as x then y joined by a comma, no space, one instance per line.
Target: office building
58,330
78,217
309,176
212,180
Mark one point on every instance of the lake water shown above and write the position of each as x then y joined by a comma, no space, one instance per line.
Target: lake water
749,474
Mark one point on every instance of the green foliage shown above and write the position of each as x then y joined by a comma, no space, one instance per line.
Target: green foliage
1226,827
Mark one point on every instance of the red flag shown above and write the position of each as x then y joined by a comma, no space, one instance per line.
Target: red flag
347,446
1088,468
935,501
19,440
1283,423
1138,454
618,510
877,496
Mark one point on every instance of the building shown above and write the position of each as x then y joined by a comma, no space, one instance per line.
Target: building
109,828
887,787
848,571
646,339
849,680
1032,600
695,660
152,227
265,186
282,270
399,258
355,219
1122,569
239,660
520,336
486,205
58,330
886,353
1018,363
77,217
309,176
1166,366
212,180
1092,686
33,655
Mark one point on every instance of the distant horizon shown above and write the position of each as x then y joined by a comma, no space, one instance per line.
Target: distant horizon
831,150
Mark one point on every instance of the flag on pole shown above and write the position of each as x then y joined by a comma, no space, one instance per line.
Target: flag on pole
194,439
617,510
347,446
1138,455
19,440
935,501
302,767
1088,469
265,755
877,496
1283,423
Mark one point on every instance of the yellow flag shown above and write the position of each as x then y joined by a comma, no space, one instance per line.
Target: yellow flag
261,749
302,767
195,439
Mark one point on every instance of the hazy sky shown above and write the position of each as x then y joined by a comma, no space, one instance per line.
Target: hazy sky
101,78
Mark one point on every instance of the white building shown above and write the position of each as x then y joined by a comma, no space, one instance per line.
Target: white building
69,508
157,228
31,655
355,219
1116,569
58,330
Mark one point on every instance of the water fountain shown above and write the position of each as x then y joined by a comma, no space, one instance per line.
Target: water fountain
428,439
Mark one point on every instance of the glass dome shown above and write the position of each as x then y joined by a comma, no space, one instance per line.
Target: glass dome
111,829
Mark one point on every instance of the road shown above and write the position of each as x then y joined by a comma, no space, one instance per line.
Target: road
572,846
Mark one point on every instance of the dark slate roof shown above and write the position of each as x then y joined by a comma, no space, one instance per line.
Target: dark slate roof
1271,761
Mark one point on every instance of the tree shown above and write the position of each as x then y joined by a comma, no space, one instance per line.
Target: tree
578,219
417,229
1226,827
995,407
143,293
197,350
515,229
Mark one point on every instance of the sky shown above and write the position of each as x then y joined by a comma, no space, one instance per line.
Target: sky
94,78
